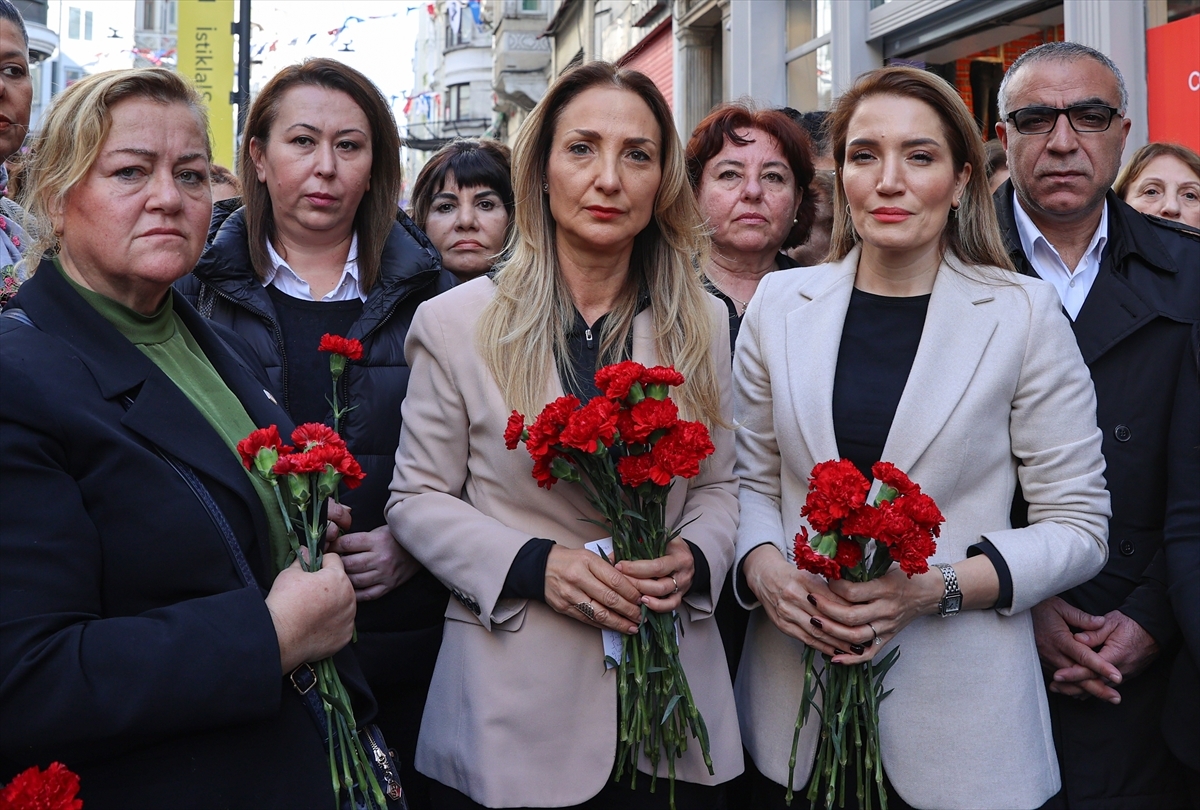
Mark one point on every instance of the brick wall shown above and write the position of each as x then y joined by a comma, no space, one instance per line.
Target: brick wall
1008,52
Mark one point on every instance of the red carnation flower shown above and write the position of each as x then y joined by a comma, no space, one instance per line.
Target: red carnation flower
348,348
545,430
921,510
592,425
315,434
807,558
267,438
835,490
541,469
639,422
849,553
514,430
52,789
680,452
616,380
891,475
635,470
661,375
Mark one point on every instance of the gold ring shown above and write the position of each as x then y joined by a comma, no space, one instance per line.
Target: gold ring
586,610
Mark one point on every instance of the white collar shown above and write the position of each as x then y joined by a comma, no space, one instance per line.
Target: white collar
286,280
1032,237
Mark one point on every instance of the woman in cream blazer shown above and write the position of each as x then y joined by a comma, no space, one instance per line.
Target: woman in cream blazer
522,711
997,394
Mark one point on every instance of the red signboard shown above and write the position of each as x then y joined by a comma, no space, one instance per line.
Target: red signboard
1173,73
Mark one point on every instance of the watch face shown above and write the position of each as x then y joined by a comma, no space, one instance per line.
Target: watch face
952,604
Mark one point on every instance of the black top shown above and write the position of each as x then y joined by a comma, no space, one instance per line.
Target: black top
309,384
782,262
879,343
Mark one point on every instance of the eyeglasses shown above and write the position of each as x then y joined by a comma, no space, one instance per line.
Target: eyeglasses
1083,118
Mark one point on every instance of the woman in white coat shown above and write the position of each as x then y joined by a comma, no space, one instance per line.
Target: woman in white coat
921,347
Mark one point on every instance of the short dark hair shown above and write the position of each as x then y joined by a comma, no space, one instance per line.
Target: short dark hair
9,12
720,127
474,162
377,210
812,122
997,158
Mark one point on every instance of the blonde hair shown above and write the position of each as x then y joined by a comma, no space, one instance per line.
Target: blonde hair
1142,157
973,232
522,332
73,133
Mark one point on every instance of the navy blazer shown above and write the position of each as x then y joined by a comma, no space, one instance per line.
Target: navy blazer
129,648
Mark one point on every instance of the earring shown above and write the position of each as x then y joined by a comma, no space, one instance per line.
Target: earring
954,205
545,187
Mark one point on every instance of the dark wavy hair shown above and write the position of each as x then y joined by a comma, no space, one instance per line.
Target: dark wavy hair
475,162
376,212
721,126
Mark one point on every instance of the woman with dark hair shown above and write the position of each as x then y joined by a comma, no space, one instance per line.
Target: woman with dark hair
145,638
522,712
319,246
463,200
917,344
16,98
750,170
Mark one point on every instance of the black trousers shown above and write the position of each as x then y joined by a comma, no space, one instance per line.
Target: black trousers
614,796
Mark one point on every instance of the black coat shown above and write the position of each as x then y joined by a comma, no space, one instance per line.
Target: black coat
129,648
399,632
1135,332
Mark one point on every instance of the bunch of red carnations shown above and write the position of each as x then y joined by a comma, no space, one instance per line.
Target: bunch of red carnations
624,448
55,788
856,541
303,478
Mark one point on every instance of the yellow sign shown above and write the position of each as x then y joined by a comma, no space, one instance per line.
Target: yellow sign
205,55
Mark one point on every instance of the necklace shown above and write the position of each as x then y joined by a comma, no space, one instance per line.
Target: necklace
737,301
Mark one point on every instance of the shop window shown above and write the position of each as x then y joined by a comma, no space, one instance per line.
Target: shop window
1178,9
531,5
810,81
807,20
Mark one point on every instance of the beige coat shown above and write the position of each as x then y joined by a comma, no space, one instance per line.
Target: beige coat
522,711
998,393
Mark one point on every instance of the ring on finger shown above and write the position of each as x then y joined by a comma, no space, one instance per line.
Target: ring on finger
672,593
875,634
586,609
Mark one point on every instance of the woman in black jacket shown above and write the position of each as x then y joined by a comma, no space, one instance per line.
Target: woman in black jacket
139,643
318,247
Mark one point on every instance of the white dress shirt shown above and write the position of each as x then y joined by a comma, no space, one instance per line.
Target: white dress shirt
283,278
1073,286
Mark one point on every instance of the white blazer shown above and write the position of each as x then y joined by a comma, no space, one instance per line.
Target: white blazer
998,392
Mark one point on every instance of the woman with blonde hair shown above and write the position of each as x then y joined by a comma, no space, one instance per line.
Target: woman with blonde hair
1163,180
917,345
145,639
522,711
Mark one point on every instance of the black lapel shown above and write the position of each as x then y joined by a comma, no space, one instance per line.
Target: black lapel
1110,313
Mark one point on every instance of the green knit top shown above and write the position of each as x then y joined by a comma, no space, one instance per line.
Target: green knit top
166,341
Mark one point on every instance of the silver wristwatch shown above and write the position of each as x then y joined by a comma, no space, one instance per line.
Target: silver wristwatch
952,599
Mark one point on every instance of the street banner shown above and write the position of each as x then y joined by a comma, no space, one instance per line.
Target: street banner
1173,73
205,56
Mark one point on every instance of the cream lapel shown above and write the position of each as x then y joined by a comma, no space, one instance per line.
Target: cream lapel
958,326
813,333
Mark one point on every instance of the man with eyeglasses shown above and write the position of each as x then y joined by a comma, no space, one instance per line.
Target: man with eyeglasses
1130,286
